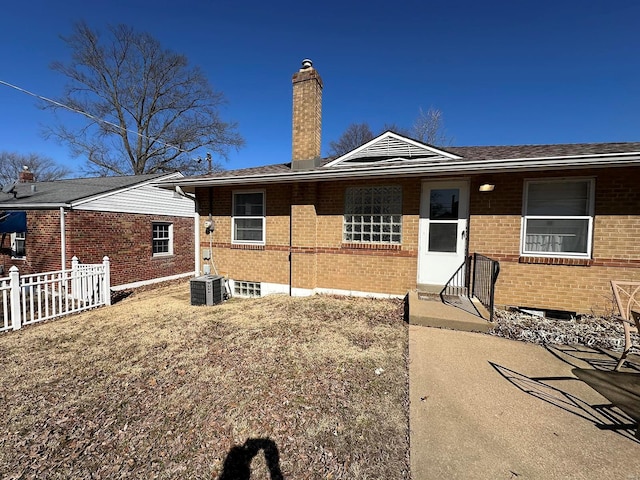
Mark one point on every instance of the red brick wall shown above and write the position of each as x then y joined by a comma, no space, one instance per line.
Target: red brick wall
42,244
124,238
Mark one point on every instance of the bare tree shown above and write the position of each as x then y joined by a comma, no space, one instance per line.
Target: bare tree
429,128
42,167
355,135
147,109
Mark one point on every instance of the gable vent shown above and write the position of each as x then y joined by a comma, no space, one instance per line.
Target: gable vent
392,148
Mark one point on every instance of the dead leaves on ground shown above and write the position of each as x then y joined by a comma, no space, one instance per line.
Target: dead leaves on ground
156,388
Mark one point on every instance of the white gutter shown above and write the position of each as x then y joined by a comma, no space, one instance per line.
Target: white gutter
63,241
440,168
34,206
196,227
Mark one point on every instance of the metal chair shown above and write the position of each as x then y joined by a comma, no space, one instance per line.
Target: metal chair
627,297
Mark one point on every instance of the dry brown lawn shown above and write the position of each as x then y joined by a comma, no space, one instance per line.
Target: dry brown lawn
152,387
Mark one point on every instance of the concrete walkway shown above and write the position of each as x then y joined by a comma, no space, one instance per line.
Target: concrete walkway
484,407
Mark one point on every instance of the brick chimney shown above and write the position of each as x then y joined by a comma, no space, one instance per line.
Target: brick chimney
307,117
25,175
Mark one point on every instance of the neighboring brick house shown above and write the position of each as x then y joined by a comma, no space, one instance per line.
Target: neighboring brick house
147,232
396,214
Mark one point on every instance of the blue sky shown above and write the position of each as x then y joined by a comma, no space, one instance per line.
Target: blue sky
502,72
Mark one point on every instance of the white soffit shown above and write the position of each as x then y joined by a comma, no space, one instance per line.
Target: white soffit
391,147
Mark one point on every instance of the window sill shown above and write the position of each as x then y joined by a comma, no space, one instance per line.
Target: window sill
372,246
577,262
160,256
247,246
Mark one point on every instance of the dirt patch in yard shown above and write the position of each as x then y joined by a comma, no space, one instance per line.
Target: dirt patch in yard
153,387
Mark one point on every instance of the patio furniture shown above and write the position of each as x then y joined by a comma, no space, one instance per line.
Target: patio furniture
627,297
622,389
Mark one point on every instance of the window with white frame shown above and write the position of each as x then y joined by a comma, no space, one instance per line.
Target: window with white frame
558,217
162,238
373,215
248,221
18,245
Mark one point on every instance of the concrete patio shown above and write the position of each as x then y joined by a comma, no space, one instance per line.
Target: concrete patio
484,407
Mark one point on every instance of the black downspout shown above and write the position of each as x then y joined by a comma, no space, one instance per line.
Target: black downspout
290,248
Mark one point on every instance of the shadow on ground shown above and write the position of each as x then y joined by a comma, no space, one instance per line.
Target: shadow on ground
594,368
237,465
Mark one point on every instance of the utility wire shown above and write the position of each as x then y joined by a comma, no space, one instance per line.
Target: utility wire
88,115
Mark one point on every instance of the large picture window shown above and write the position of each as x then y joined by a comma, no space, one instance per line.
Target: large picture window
558,218
373,215
162,239
248,222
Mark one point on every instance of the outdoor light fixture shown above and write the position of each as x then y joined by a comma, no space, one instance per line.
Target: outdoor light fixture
487,187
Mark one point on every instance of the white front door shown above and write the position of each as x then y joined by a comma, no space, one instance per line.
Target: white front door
444,207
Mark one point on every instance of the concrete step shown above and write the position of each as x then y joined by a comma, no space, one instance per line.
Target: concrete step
454,313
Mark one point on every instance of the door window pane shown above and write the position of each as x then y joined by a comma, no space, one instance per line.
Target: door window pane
444,204
443,237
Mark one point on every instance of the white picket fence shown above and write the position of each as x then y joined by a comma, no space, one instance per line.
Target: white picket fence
28,299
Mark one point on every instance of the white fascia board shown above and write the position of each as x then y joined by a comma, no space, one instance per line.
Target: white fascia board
126,189
35,206
448,168
415,143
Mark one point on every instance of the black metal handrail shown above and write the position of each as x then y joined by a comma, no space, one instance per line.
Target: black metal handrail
458,284
485,275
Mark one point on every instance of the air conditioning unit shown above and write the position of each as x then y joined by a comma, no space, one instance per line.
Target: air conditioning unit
207,290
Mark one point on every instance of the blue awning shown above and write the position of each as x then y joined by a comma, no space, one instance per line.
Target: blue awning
13,222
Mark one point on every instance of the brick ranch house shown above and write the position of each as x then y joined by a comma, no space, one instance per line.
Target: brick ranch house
147,232
396,214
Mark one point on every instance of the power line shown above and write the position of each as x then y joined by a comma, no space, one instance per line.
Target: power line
88,115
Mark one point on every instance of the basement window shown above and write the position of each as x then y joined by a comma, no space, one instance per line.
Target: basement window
373,215
242,288
248,221
162,239
558,218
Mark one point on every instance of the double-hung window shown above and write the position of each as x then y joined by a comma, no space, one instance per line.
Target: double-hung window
18,244
162,238
373,215
558,218
248,221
